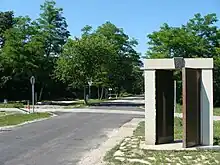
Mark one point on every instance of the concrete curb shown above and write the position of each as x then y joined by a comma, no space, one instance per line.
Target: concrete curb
9,128
95,157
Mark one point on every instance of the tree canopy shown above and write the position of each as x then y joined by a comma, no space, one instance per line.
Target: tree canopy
199,37
63,64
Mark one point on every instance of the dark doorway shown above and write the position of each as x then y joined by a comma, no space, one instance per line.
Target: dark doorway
191,106
164,106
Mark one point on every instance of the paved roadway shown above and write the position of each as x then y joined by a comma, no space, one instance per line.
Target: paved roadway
61,140
128,103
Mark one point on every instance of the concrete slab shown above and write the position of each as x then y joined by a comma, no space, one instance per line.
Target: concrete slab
178,146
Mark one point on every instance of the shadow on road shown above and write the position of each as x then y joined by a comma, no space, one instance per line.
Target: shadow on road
117,104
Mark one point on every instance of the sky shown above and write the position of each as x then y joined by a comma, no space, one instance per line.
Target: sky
138,18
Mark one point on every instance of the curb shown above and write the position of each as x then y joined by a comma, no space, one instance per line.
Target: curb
95,157
9,128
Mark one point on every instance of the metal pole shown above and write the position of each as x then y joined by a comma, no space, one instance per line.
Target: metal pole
174,96
33,97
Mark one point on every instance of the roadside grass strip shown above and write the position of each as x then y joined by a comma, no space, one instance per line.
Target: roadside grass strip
18,118
129,152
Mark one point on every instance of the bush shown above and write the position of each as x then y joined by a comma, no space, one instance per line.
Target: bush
12,105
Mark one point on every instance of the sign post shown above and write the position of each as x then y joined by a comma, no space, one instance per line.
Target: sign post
32,80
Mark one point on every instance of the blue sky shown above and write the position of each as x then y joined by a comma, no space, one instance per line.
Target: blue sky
137,17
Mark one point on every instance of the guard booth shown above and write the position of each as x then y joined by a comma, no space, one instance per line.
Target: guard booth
197,99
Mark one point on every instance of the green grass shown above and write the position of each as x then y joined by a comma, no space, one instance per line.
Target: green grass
178,127
167,157
216,110
6,113
19,118
12,105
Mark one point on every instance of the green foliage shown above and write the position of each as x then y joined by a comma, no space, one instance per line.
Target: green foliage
42,48
106,56
6,22
12,105
53,28
83,59
199,37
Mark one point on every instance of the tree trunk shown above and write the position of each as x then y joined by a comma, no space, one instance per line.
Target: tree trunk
98,92
41,92
85,99
102,93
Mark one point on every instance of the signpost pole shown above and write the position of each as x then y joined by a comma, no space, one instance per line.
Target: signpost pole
32,80
33,97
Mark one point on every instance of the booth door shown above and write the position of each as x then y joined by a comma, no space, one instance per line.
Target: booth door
191,107
164,106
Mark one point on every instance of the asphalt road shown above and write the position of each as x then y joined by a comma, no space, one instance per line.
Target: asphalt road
61,140
128,103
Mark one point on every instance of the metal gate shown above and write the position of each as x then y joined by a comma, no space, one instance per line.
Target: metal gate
164,106
191,106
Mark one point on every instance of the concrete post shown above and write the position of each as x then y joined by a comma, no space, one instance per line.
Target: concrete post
207,107
150,107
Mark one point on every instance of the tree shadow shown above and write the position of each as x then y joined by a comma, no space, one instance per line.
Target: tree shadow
118,104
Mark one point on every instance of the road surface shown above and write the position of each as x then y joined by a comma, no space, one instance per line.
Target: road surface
61,140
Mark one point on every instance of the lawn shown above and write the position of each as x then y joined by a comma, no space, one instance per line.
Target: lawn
12,105
77,104
14,119
216,110
129,153
6,113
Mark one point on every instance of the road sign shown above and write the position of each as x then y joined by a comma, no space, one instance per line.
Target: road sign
32,80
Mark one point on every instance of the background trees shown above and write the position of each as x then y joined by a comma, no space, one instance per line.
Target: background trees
63,65
199,37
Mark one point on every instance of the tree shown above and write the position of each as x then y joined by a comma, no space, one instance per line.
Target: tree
198,38
53,28
126,58
20,54
53,33
83,59
6,22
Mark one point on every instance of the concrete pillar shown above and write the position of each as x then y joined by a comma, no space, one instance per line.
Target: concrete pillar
207,107
150,107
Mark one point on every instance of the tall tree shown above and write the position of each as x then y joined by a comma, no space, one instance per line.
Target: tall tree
6,22
53,28
53,33
198,38
83,59
20,54
126,58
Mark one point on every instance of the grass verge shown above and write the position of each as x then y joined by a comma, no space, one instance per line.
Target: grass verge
15,119
137,156
12,105
216,110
